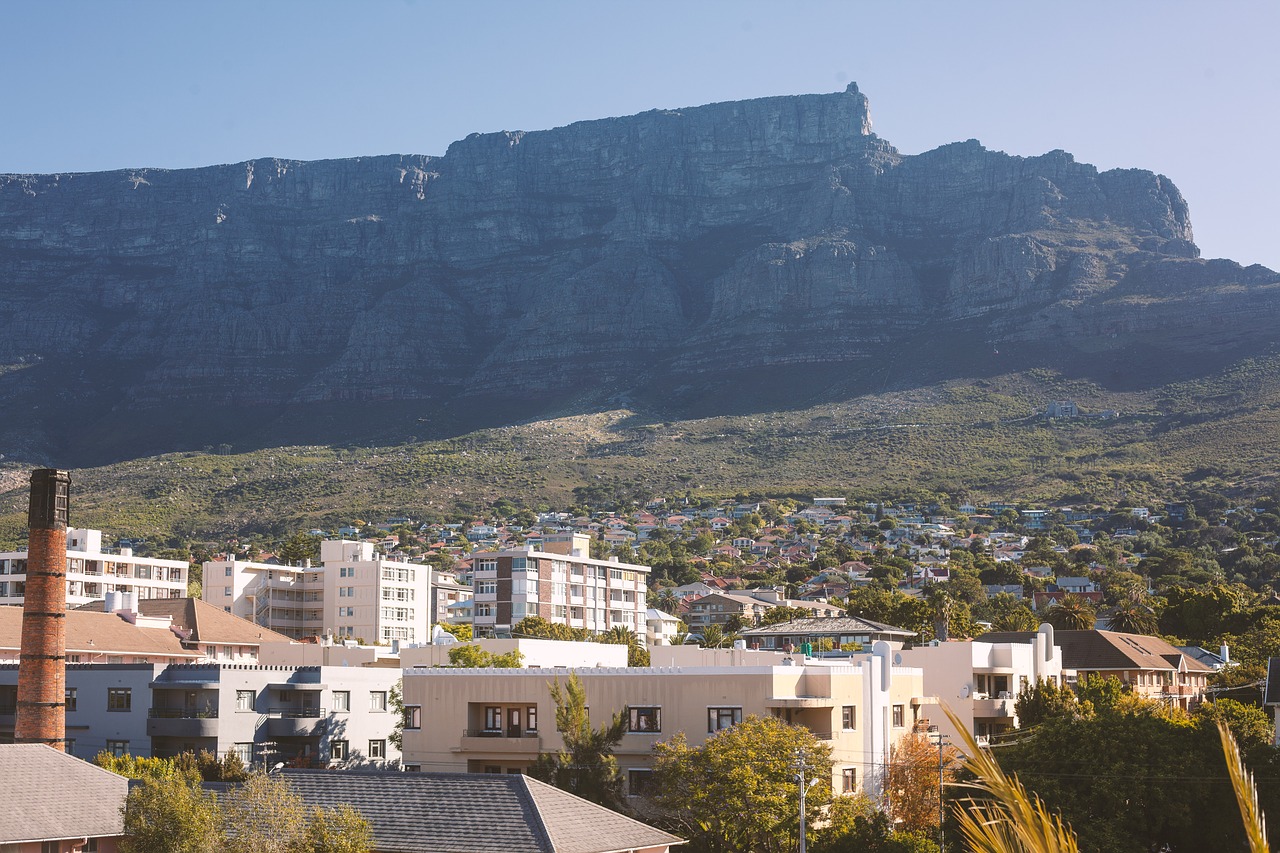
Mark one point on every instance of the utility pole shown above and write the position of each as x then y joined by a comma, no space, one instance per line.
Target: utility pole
941,739
802,767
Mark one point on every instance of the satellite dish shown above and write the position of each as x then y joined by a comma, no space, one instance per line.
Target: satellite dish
964,692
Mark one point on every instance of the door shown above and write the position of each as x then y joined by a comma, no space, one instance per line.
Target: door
513,722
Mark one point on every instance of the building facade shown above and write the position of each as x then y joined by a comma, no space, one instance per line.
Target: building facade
560,583
980,680
354,593
325,716
498,721
94,571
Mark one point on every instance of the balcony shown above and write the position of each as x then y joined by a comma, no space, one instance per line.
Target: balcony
182,722
496,740
986,707
296,722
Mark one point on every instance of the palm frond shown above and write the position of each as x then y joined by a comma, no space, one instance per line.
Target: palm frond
1255,822
1009,819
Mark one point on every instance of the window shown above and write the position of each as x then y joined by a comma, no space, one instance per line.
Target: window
486,588
850,779
493,719
70,698
849,717
377,700
119,699
69,744
244,751
244,700
722,718
228,571
897,716
118,747
342,700
226,590
646,719
638,781
339,750
413,716
531,718
377,749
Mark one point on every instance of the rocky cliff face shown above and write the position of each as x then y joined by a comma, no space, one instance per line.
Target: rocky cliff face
654,256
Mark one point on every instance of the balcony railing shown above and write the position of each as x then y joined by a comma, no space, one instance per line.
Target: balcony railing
297,713
507,733
183,713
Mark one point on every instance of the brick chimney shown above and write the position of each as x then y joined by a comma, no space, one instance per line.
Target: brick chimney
42,675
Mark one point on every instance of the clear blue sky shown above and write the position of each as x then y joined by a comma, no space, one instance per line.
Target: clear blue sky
1187,89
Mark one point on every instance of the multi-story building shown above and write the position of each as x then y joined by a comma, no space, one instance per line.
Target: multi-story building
94,571
1149,666
354,593
316,715
980,680
749,606
498,721
561,583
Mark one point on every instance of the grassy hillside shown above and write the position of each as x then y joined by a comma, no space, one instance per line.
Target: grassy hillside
975,439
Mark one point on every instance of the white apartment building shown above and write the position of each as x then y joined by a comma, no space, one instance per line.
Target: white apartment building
354,593
94,571
499,720
980,680
561,583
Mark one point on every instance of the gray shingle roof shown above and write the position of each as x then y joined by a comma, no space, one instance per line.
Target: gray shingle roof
474,813
1108,650
828,625
35,781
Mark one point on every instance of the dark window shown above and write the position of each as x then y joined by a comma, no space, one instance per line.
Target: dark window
339,749
850,779
413,716
722,718
849,717
638,782
646,719
71,698
119,698
897,716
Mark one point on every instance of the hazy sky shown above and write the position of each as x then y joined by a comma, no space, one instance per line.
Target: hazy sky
1187,89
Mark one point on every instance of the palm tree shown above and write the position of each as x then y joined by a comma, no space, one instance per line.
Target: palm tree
619,635
668,601
1133,617
1072,613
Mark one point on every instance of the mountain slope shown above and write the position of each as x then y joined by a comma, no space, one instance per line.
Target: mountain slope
732,258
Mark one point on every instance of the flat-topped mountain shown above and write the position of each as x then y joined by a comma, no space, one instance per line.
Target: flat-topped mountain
734,257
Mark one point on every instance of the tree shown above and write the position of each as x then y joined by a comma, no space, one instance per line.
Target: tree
737,792
912,783
264,816
395,699
338,830
299,547
1042,701
856,825
585,765
461,632
1072,613
1251,726
472,656
783,613
1133,617
170,814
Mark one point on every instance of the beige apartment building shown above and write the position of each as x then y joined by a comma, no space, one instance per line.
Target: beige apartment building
353,594
497,721
561,583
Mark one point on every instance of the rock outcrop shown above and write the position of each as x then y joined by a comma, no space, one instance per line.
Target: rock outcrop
655,256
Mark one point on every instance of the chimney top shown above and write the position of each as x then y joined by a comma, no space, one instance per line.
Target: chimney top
50,492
